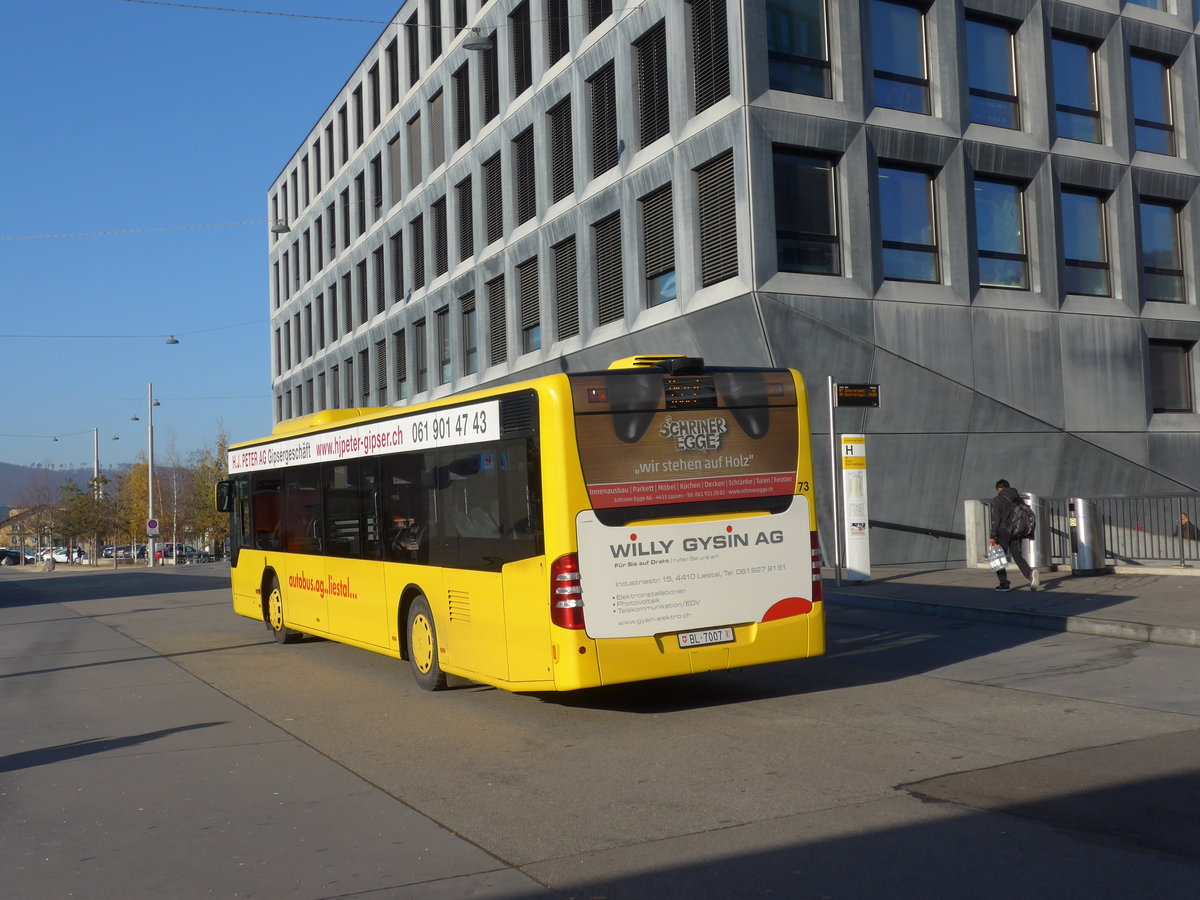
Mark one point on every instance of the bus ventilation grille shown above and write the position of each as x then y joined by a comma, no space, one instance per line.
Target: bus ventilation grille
517,414
696,392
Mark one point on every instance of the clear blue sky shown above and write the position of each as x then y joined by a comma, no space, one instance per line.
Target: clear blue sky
147,130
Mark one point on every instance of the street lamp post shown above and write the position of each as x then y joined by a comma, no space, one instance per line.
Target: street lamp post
150,470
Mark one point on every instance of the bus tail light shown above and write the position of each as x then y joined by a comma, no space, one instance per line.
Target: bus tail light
566,593
816,568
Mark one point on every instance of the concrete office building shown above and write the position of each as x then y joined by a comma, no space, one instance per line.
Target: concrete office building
985,207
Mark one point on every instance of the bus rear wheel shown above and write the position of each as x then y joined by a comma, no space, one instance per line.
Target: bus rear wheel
422,646
283,634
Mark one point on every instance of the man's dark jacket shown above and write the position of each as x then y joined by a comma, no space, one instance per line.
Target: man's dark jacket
1002,505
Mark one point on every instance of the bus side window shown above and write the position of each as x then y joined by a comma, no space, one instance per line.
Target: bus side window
303,528
267,514
405,514
351,520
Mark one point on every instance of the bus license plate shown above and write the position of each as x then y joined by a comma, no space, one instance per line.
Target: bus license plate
709,636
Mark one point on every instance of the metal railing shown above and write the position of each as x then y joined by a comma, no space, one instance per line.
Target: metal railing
1137,530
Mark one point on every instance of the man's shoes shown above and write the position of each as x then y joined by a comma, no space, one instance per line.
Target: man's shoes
1003,589
1035,581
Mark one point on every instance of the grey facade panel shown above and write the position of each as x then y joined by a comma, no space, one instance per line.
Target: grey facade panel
1047,389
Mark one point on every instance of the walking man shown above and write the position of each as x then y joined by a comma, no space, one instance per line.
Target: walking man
1006,498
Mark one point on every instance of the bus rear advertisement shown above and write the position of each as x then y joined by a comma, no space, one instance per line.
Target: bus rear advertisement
576,530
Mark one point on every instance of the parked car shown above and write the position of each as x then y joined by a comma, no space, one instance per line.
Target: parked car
10,557
74,555
185,552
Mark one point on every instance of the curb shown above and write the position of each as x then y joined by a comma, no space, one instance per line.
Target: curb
1110,628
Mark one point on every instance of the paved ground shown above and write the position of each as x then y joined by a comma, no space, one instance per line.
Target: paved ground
1152,606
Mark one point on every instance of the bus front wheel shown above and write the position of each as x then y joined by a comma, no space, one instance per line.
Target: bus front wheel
422,646
283,634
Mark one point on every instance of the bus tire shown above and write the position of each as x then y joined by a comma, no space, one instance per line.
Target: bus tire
273,609
422,646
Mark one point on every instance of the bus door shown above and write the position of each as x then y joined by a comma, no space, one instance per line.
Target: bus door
353,585
299,533
469,541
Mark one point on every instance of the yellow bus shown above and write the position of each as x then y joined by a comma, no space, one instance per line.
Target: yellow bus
575,530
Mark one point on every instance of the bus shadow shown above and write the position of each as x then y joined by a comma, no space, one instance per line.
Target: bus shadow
74,587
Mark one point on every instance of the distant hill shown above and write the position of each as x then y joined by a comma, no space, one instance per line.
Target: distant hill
17,482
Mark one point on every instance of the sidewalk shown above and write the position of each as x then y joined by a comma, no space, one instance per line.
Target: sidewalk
1151,606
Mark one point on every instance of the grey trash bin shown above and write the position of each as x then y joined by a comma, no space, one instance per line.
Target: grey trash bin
1087,538
1037,548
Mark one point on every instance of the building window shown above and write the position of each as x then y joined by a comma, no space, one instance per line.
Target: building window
992,74
1171,377
1085,244
522,49
1000,235
319,319
1162,261
400,357
397,248
331,227
347,304
566,287
376,188
598,11
319,242
470,335
603,89
420,356
392,67
710,53
907,225
376,100
718,219
441,245
416,243
497,322
490,61
806,235
308,331
322,401
413,35
364,303
1076,103
335,388
558,30
898,42
462,105
493,200
348,371
307,255
610,295
359,130
442,322
414,151
437,131
1152,119
466,219
654,112
797,51
332,291
330,163
562,166
433,24
381,379
345,229
531,317
380,271
658,246
525,176
343,134
360,203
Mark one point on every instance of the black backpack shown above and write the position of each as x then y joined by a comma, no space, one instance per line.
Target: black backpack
1021,521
